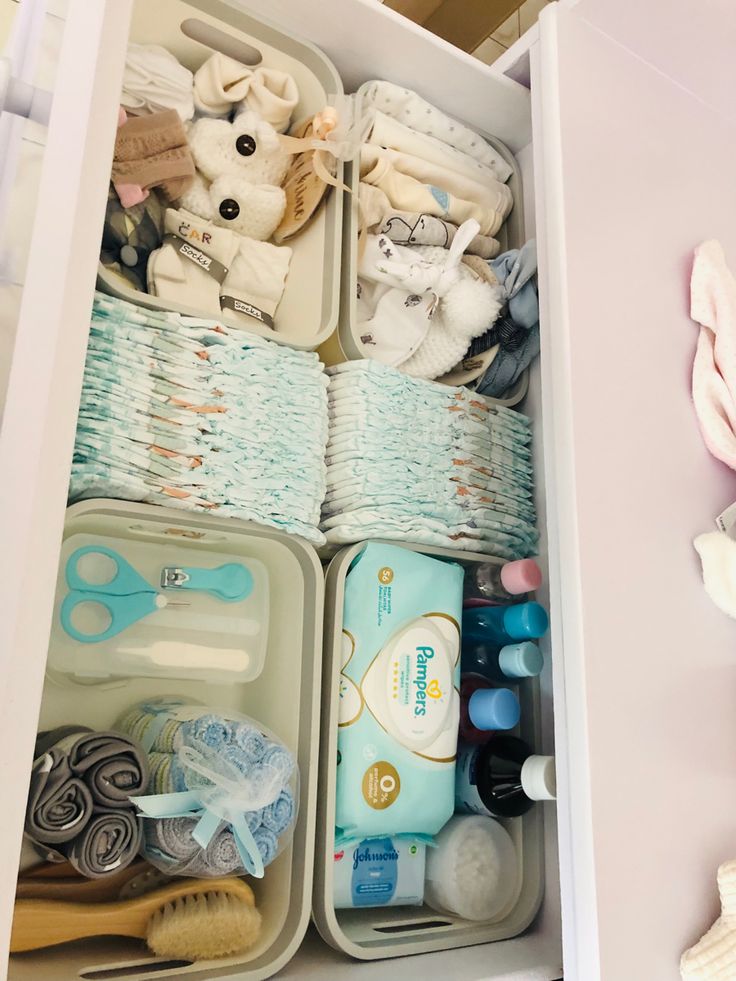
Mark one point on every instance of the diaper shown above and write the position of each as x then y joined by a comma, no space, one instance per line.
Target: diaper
399,701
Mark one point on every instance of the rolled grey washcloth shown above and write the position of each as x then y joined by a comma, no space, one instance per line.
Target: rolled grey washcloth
109,842
59,804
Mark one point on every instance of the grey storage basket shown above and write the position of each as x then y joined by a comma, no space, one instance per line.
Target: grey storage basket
192,30
370,934
344,346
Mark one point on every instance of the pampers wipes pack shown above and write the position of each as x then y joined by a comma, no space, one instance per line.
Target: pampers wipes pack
399,700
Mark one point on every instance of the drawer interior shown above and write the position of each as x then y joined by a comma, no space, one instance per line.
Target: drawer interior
496,109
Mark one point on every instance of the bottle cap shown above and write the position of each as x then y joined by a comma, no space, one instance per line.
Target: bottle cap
522,660
494,709
522,576
525,621
538,779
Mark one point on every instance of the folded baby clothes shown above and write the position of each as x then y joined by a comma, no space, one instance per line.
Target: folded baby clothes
418,114
151,151
79,805
192,263
222,83
414,228
154,80
254,284
388,132
409,194
491,194
391,323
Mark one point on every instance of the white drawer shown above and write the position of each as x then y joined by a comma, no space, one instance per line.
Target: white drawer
630,172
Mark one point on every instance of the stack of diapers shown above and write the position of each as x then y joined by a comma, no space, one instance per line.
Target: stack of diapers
192,414
79,807
433,193
423,462
399,703
205,152
222,796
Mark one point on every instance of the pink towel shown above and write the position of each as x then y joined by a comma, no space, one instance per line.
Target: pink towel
713,306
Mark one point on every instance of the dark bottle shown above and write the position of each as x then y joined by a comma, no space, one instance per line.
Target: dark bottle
513,662
485,709
502,778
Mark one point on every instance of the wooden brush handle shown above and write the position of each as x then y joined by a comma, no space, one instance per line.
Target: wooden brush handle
44,923
76,888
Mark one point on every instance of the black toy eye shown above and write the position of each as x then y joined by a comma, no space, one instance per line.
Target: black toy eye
245,145
229,209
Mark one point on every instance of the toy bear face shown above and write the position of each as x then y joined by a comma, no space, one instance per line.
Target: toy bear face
248,148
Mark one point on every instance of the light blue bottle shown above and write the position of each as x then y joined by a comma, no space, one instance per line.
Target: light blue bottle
501,625
514,662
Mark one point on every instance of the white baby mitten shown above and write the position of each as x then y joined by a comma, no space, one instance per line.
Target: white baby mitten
222,83
254,285
192,262
713,958
154,81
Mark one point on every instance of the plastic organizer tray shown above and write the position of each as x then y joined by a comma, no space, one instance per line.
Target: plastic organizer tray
369,934
284,698
344,346
191,30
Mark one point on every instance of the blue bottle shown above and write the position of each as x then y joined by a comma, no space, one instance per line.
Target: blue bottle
500,625
513,662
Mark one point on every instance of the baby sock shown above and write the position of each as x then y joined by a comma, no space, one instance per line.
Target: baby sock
151,151
222,82
192,263
254,285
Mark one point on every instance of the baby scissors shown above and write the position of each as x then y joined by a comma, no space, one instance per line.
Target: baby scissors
127,597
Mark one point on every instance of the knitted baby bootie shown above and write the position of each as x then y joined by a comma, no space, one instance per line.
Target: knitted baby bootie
713,958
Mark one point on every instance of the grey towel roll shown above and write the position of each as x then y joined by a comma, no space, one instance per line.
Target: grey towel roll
59,804
113,766
109,842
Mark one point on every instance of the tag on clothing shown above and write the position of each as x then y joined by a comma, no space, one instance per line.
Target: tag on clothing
242,306
205,262
726,520
304,189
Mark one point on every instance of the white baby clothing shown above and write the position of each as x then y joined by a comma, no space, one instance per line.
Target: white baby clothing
415,228
192,262
409,194
222,83
388,132
154,80
254,284
491,194
391,323
414,111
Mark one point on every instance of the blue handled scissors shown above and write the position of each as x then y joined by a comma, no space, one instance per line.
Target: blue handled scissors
127,597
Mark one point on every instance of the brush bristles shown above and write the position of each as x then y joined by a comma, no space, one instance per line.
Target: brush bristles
203,927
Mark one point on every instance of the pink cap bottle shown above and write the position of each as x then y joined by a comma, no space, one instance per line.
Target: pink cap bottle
490,584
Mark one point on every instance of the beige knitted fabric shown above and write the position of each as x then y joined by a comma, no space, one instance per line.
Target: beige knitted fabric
713,958
152,151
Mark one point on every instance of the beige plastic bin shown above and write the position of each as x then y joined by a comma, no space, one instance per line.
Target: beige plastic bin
192,30
344,345
285,698
369,934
